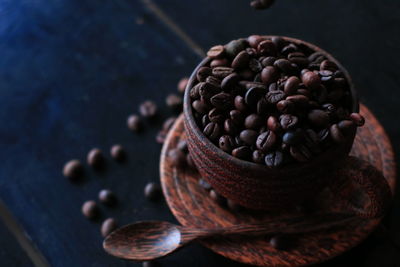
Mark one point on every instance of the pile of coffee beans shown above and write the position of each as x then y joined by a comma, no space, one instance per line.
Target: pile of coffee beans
272,101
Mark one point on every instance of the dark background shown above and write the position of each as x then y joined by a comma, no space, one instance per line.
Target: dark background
71,71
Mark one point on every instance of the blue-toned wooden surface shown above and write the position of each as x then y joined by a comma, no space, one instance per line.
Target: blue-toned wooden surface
72,70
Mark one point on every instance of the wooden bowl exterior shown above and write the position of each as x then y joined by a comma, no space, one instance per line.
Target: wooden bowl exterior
254,185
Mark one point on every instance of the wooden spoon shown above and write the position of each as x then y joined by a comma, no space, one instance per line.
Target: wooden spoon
150,240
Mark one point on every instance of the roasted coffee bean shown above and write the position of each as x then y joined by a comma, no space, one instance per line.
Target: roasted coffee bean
358,119
205,120
200,107
266,141
300,153
230,127
298,100
90,210
152,191
278,41
241,60
242,152
326,75
273,124
182,84
318,118
285,106
107,197
311,80
336,134
229,81
233,206
148,109
269,75
253,121
204,184
134,123
268,61
253,95
221,101
267,48
274,159
293,137
288,121
274,97
212,131
226,143
237,117
216,51
177,157
251,51
207,90
255,66
346,126
258,156
262,107
323,135
215,82
284,65
249,137
248,85
174,101
219,62
238,141
311,141
73,169
246,74
254,40
95,158
215,115
203,73
194,92
290,48
222,72
235,47
220,200
118,152
316,57
151,264
108,226
240,103
280,242
273,87
291,85
328,65
261,4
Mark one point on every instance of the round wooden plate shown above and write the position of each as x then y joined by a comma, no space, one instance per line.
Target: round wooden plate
192,206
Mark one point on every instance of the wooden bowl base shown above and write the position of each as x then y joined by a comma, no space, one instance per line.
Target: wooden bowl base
192,206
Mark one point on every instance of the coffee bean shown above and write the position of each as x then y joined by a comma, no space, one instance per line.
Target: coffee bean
203,73
182,146
215,115
73,169
242,152
108,226
215,82
274,159
151,264
204,184
318,118
251,52
357,118
293,137
222,101
311,80
219,62
134,123
255,65
254,40
174,101
177,158
241,60
90,210
300,101
249,137
273,124
230,81
253,95
258,156
269,75
240,103
273,87
235,47
148,109
291,85
107,197
336,134
328,65
194,92
207,90
323,135
152,191
300,153
266,48
226,143
246,74
278,41
182,84
268,61
284,65
266,141
95,158
216,51
261,4
253,121
290,48
237,117
220,200
285,106
311,141
230,127
212,131
288,121
118,152
200,107
222,72
262,107
274,97
346,126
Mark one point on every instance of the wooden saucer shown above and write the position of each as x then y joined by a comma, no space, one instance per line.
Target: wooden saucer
192,206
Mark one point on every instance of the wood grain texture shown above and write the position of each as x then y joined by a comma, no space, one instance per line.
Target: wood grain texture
191,206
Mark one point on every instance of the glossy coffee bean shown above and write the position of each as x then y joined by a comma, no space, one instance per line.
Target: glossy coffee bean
234,47
253,95
273,124
274,159
73,169
240,103
311,80
134,123
318,118
221,101
288,121
293,137
108,226
230,127
212,131
226,143
241,60
258,156
274,97
269,75
118,152
249,137
237,117
291,85
152,191
203,73
216,51
336,134
148,109
253,121
357,119
107,197
266,141
230,81
90,210
242,152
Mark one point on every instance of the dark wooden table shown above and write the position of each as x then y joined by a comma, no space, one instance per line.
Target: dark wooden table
71,71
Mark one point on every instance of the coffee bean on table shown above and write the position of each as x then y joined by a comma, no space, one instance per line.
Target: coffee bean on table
107,197
134,123
148,109
108,226
73,169
118,152
90,210
318,118
182,84
174,101
152,191
95,158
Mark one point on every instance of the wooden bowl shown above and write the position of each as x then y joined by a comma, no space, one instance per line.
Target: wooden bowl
257,186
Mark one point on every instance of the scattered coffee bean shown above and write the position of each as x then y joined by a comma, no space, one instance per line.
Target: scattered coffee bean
107,197
177,158
151,264
336,134
152,191
357,119
174,101
148,109
182,84
73,169
134,123
90,209
95,158
108,226
118,153
217,197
